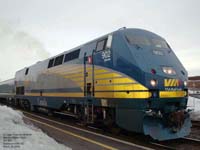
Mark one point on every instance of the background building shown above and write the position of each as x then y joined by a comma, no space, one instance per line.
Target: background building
194,83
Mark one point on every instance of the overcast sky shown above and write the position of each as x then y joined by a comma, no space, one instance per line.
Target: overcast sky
43,28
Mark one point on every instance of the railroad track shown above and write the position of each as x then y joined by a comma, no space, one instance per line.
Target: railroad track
89,132
182,144
138,140
142,140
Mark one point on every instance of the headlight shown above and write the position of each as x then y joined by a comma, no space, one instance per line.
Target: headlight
169,70
185,83
153,82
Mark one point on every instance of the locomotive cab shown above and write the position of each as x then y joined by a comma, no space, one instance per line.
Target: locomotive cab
149,59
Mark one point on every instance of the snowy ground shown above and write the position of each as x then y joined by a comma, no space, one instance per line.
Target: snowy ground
16,135
194,103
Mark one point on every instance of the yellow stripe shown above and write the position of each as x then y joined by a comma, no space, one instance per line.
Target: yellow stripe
32,94
99,76
163,94
79,73
123,80
66,68
172,94
72,75
56,94
64,94
104,82
97,94
77,79
138,95
107,75
79,69
75,135
125,87
80,83
96,71
115,81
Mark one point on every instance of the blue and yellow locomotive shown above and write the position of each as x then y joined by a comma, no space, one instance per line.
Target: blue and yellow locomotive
130,78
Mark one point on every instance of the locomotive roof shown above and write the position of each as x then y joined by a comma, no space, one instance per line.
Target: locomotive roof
122,30
9,81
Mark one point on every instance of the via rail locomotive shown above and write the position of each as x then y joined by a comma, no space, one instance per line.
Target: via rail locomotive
129,78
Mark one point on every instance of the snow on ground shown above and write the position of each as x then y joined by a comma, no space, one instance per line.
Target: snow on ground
194,103
16,135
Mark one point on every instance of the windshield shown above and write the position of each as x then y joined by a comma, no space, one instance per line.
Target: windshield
144,41
159,43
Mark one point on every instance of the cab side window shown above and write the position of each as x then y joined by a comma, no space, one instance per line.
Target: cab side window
101,45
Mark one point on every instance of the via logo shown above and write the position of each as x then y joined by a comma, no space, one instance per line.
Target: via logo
172,82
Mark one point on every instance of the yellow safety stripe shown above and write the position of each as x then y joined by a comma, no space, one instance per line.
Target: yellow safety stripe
125,87
119,80
98,76
116,94
105,80
172,94
107,75
73,75
124,95
97,94
80,94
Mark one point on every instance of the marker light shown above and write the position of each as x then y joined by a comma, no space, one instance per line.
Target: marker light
153,82
169,70
89,59
153,71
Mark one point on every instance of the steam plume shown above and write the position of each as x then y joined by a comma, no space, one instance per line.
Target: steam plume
17,50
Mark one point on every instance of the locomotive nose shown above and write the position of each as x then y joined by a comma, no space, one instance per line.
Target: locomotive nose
155,127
